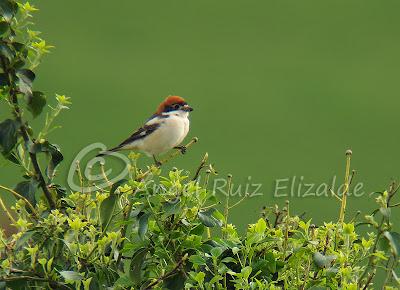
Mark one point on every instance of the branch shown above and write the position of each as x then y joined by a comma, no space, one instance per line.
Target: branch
169,274
55,284
25,135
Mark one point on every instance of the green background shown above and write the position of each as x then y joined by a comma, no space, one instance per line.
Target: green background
280,88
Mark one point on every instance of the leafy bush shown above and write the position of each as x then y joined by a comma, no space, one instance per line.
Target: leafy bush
152,231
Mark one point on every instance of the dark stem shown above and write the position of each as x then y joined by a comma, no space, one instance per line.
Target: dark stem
25,136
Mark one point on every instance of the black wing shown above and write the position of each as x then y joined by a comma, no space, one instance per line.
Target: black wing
142,132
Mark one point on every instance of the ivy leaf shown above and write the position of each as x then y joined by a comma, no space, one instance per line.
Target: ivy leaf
135,269
27,189
8,135
143,225
71,276
36,102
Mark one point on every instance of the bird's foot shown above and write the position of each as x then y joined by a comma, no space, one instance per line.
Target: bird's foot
156,162
183,149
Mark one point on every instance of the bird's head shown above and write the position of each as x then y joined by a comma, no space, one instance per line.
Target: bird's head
173,104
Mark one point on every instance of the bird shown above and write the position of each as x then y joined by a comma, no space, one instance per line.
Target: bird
163,131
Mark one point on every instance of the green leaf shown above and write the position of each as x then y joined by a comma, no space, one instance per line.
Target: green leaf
207,218
323,261
21,48
107,209
21,284
55,160
3,79
6,51
27,189
22,241
216,252
71,275
36,103
55,155
171,208
394,241
117,184
8,135
271,262
8,9
3,27
261,226
200,277
124,282
228,260
175,282
143,225
25,80
135,269
197,260
246,272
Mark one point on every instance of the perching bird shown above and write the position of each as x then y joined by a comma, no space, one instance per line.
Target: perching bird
163,131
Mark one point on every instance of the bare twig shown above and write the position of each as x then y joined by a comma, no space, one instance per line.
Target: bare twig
346,187
201,166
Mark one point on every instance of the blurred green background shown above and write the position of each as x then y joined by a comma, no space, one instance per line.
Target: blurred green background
280,88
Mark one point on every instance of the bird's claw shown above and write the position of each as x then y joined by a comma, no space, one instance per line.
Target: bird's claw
183,149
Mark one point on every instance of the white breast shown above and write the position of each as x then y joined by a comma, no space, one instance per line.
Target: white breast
171,133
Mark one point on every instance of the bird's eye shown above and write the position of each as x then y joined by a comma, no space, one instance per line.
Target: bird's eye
176,106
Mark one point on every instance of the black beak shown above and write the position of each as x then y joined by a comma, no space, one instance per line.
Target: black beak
187,108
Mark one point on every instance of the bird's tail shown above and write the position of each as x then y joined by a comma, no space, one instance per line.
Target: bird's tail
109,151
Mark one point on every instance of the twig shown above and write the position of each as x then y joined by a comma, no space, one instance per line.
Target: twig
306,276
371,276
169,274
176,153
201,166
18,196
346,187
7,212
226,209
